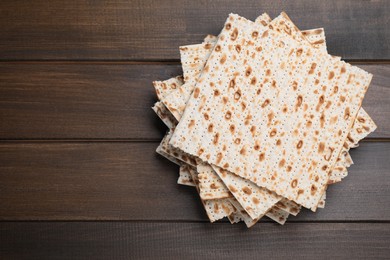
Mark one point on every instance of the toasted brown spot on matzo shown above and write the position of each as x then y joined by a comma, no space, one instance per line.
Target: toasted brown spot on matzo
261,157
219,158
232,128
243,105
312,68
294,183
299,145
273,132
237,95
253,130
213,186
246,190
265,103
253,81
350,139
223,59
313,189
225,100
270,116
255,200
234,34
216,137
328,156
248,71
196,92
210,128
228,115
299,101
322,120
282,162
333,120
361,119
366,128
346,113
295,85
232,83
191,124
321,147
351,77
331,75
232,189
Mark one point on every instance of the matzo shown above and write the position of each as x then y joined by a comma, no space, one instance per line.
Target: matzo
248,108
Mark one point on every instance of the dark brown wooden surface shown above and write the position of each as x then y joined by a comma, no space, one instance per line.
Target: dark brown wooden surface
139,30
79,178
151,240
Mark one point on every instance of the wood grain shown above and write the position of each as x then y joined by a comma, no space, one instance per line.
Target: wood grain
112,101
129,181
134,240
138,30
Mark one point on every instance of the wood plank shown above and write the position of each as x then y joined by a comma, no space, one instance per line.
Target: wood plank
80,101
109,101
129,181
134,30
134,240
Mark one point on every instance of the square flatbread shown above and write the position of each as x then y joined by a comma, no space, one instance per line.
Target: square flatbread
291,107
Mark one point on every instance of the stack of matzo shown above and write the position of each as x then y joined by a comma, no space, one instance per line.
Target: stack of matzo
262,119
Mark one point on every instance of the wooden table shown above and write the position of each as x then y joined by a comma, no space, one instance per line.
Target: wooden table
79,176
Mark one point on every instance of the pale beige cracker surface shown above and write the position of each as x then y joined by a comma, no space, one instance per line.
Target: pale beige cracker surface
210,185
251,124
314,36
